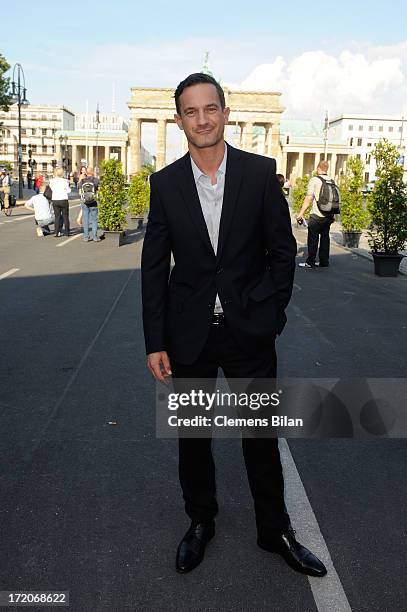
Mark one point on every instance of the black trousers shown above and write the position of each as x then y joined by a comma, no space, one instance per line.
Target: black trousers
261,455
61,211
318,232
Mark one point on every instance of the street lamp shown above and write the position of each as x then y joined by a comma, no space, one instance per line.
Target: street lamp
19,97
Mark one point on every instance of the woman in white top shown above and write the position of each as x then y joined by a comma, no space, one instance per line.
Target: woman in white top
60,189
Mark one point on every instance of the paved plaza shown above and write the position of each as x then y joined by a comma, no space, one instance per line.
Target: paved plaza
90,497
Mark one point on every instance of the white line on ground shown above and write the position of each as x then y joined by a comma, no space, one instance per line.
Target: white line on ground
44,428
328,591
69,240
19,218
9,273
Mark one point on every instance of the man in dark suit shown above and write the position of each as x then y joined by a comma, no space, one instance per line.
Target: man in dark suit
222,215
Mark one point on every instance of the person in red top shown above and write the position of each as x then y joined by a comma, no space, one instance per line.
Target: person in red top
39,179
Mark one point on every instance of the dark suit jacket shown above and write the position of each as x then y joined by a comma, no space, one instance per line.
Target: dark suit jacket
253,269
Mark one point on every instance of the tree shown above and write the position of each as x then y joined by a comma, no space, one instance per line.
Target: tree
354,217
112,196
138,194
299,192
6,164
387,203
5,97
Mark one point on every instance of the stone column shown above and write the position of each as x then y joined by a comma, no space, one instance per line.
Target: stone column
332,166
284,163
242,126
300,164
74,158
58,153
123,155
184,143
107,151
275,140
249,136
91,158
161,142
267,141
135,145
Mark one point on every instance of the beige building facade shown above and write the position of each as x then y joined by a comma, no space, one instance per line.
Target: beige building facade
248,109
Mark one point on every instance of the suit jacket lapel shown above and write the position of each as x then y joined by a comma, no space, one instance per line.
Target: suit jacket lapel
191,198
232,185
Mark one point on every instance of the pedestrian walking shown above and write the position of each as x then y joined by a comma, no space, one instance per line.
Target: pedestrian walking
60,189
5,185
88,188
38,181
219,211
323,195
43,212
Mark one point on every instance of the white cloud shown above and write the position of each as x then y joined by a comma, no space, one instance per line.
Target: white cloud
350,82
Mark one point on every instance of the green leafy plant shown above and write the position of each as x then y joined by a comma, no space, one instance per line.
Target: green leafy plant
299,192
387,203
112,196
6,164
138,194
5,97
354,217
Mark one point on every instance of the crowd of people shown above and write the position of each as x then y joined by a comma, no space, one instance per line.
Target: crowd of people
51,204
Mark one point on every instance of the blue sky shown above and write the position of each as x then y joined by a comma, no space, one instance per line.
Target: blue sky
345,56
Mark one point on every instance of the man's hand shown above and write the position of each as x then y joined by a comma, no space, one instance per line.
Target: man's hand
159,365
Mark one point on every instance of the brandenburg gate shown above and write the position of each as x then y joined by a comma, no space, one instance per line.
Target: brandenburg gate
247,109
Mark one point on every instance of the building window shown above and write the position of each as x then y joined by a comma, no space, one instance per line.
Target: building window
54,117
361,128
23,132
390,128
43,117
369,144
34,131
366,177
350,128
24,165
287,140
400,129
44,131
368,159
359,142
380,128
24,148
52,149
44,166
34,148
53,131
358,155
44,148
351,142
370,128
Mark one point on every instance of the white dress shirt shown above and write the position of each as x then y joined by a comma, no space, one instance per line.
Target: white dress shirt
211,200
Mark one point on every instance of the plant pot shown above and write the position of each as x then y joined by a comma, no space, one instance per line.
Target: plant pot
115,238
386,265
139,220
351,239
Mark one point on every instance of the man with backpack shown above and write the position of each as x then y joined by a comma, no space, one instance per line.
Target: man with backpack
324,196
88,187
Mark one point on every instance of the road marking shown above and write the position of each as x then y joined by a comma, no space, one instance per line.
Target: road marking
9,273
328,591
69,240
36,441
19,218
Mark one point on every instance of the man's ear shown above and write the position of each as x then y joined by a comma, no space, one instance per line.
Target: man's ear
178,121
226,113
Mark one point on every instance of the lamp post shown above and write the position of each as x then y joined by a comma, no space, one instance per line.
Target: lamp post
18,94
97,139
326,126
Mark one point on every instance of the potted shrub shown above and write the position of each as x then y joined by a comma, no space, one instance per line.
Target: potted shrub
354,217
387,205
299,192
111,199
138,195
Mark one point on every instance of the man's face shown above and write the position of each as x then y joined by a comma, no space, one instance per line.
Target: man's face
201,116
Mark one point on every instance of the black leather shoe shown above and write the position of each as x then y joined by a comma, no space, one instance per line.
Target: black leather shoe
192,547
297,556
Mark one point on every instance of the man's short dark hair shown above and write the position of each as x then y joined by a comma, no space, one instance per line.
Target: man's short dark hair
196,79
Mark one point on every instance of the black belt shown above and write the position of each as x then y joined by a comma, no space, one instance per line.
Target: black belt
218,318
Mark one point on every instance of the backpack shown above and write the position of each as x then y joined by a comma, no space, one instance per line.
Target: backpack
329,201
88,192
